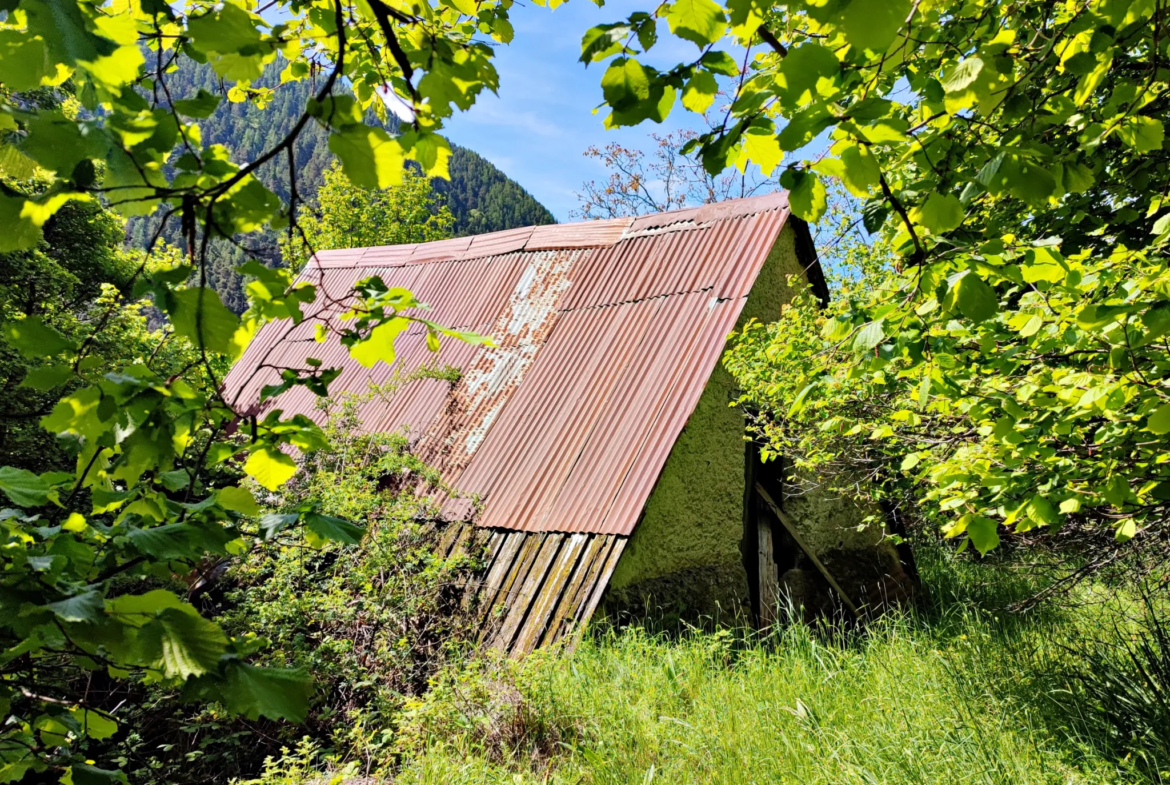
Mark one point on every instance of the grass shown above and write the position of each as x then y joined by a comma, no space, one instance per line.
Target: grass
957,691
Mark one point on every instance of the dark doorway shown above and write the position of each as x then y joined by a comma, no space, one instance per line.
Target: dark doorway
768,549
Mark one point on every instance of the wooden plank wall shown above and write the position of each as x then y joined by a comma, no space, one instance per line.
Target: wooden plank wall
534,587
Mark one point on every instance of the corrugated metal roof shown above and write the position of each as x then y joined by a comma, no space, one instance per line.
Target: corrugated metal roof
606,333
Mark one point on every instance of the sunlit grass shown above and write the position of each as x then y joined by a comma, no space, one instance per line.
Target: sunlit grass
955,691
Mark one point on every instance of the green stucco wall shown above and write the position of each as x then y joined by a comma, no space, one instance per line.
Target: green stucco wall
685,554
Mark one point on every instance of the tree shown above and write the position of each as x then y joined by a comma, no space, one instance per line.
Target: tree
351,217
667,179
1013,369
154,484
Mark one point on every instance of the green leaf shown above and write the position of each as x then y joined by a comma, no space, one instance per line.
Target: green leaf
198,314
802,68
807,196
201,106
182,643
331,528
275,693
1040,264
873,24
238,500
984,533
47,377
431,151
1125,530
89,606
720,62
24,488
1159,421
15,164
941,213
602,41
230,36
869,336
137,610
94,725
369,157
975,298
963,75
1116,491
699,21
1041,511
380,343
910,461
77,413
274,523
761,148
270,467
35,339
700,91
85,774
625,82
1143,134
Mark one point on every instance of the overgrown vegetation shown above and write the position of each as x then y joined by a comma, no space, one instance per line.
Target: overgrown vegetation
958,690
373,623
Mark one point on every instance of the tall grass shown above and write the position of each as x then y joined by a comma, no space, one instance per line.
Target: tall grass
955,691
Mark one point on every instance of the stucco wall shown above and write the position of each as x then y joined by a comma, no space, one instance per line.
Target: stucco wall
685,553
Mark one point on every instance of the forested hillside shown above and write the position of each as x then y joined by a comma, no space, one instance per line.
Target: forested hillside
480,196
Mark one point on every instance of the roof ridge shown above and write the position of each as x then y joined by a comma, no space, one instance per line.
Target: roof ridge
596,233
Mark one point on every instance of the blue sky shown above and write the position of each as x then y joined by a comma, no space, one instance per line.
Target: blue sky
538,127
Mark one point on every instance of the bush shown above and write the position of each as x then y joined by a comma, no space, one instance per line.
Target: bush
372,622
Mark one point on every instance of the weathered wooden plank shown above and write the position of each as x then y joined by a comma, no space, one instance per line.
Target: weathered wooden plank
447,539
549,594
525,591
463,539
574,593
498,573
601,581
790,525
512,583
474,586
769,578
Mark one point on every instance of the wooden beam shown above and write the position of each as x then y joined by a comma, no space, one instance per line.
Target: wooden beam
790,525
769,579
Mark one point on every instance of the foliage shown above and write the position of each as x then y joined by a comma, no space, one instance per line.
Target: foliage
957,691
668,180
373,623
350,217
1014,366
152,487
481,197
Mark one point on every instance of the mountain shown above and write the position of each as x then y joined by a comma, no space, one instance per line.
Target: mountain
482,198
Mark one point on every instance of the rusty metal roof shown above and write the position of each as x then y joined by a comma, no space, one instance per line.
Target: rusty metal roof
606,333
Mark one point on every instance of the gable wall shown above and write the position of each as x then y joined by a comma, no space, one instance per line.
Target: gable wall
684,554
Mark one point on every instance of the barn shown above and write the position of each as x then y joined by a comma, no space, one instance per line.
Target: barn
597,459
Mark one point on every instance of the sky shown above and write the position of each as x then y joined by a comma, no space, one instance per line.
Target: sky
538,127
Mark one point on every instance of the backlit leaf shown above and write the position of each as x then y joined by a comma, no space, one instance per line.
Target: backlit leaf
976,300
369,157
699,21
873,24
984,534
1159,420
270,467
197,313
941,213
